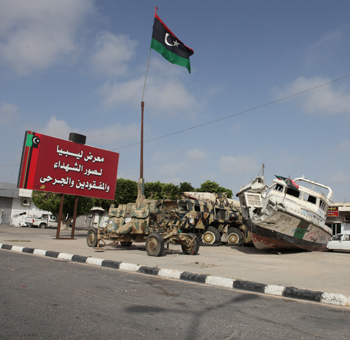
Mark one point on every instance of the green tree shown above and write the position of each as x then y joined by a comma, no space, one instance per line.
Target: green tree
153,190
170,191
104,204
51,202
185,186
125,192
212,186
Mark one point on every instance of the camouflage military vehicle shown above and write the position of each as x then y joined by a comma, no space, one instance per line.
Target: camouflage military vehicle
218,219
155,222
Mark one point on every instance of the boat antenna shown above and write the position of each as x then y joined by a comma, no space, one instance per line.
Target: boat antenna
262,170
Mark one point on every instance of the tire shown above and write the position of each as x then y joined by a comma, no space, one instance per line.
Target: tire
43,226
154,244
126,244
91,238
234,237
193,249
211,236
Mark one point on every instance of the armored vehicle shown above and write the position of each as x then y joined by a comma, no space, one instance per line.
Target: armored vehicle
217,218
156,222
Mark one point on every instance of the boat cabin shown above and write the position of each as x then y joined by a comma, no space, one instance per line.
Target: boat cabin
312,199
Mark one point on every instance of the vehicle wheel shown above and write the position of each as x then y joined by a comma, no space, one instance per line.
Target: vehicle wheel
211,236
126,244
155,244
91,238
329,249
43,225
193,248
235,237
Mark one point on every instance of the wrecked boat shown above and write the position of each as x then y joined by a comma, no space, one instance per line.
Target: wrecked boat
286,215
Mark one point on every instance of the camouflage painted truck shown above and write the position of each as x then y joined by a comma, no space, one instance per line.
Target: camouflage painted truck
217,218
152,221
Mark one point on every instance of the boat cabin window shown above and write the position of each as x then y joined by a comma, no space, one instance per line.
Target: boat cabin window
197,208
311,199
278,187
292,192
323,205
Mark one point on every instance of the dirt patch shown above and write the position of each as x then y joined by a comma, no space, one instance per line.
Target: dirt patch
201,265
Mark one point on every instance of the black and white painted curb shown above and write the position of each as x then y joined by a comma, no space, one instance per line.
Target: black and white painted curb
276,290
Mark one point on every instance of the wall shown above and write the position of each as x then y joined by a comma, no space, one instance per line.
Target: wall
5,205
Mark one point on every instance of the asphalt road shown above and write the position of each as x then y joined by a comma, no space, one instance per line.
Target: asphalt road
315,271
45,298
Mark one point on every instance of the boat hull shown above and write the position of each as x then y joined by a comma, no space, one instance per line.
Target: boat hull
284,231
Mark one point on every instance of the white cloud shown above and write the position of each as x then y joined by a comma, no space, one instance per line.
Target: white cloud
195,155
170,98
119,93
161,157
57,128
322,100
172,169
110,135
112,52
326,46
114,134
35,34
238,165
163,98
171,164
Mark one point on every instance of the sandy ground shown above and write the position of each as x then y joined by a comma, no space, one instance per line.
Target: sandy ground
325,272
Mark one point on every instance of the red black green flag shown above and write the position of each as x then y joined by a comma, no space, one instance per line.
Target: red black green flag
290,183
168,45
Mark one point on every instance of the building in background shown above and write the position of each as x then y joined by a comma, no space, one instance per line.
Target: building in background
338,217
17,204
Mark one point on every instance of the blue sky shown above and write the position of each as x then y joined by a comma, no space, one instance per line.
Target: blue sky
80,65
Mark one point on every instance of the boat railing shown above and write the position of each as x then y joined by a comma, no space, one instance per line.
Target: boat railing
330,191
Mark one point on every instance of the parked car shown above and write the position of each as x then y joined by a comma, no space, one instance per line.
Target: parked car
44,221
23,224
339,242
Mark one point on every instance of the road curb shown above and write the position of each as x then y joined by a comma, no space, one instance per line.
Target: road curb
249,286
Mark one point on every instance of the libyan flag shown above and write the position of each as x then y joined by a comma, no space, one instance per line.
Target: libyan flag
168,45
290,184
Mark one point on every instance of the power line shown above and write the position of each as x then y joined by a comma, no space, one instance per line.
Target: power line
235,114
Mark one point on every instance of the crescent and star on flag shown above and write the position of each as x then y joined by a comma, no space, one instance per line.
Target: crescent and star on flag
175,42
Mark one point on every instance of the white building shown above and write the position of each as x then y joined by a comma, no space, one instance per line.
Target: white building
17,204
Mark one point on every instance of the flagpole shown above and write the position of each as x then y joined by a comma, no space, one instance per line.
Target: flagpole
142,115
141,151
